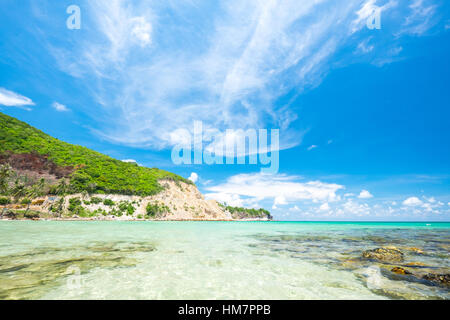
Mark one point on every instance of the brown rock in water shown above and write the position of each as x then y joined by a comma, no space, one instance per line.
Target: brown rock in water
441,279
400,270
384,254
416,250
416,264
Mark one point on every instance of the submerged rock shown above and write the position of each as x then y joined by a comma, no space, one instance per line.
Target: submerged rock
416,250
43,268
400,270
385,254
416,264
440,279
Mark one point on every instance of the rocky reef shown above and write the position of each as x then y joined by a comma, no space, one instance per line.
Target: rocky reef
384,254
379,259
390,255
44,267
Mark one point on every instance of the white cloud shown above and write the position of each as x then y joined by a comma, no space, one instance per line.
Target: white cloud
230,68
365,47
123,26
142,30
349,194
428,207
412,201
280,188
367,10
364,194
317,200
391,56
431,200
130,161
230,199
279,200
59,107
154,69
312,147
193,177
353,208
420,19
12,99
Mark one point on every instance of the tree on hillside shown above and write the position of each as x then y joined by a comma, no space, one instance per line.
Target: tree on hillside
36,190
19,190
61,190
5,174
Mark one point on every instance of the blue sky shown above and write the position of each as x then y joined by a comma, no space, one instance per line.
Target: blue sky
363,113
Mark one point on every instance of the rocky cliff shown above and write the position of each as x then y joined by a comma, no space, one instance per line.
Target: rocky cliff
43,177
178,201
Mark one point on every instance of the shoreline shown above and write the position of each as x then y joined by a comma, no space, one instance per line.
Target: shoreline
142,220
224,220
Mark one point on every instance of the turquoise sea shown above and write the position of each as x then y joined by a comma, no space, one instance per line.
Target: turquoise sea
218,260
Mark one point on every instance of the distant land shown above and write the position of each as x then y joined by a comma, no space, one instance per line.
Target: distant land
42,177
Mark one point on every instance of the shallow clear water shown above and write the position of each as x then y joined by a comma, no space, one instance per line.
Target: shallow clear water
217,260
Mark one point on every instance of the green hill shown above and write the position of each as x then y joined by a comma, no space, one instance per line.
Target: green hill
24,146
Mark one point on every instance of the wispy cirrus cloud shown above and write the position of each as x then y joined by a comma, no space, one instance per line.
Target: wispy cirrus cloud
367,9
421,17
12,99
154,68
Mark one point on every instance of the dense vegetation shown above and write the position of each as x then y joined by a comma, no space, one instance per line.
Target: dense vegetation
156,209
115,209
242,213
90,171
